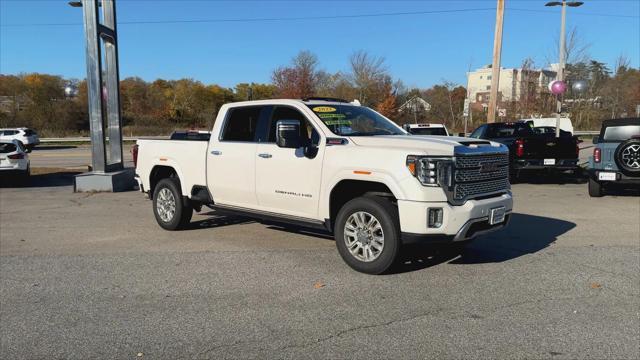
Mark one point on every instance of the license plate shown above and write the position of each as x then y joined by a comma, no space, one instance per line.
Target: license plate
497,215
607,176
549,161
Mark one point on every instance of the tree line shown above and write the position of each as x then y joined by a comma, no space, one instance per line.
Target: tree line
157,107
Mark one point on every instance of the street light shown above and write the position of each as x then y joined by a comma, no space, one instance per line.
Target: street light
564,5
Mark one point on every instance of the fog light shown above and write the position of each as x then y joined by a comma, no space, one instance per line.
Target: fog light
434,217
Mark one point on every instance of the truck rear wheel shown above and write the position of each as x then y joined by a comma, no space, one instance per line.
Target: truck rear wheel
367,233
595,188
170,211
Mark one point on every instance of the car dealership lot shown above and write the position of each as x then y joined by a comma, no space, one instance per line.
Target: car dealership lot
92,275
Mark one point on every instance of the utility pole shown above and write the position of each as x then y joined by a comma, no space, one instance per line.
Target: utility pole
495,67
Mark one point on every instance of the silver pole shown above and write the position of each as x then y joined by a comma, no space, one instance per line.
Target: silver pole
561,65
94,84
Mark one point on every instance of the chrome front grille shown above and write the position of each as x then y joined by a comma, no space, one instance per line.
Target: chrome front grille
477,189
479,173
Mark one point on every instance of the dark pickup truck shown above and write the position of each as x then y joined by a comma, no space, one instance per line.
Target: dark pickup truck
531,150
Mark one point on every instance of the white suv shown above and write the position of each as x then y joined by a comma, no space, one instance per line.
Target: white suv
14,159
27,137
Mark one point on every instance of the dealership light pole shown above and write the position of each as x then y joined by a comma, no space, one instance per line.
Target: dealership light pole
560,76
107,172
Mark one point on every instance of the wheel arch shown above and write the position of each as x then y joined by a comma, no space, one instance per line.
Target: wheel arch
348,189
159,172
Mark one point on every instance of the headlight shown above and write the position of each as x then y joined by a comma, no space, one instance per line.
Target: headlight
431,171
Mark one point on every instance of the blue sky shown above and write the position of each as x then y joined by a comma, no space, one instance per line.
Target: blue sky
421,50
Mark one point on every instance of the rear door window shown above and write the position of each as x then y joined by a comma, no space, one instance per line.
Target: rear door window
6,148
621,133
241,124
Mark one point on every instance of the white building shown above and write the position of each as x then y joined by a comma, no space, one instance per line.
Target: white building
513,84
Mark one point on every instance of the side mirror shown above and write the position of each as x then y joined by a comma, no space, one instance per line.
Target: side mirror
288,134
462,134
406,128
596,139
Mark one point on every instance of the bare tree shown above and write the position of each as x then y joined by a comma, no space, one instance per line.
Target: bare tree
369,74
622,63
575,48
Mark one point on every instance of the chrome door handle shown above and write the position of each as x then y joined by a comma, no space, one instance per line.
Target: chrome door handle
265,155
216,152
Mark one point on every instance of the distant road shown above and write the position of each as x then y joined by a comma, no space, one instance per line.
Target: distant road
69,156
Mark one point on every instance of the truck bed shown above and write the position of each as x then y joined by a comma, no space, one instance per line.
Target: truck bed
187,157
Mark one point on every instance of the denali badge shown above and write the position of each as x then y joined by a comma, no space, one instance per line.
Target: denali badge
488,167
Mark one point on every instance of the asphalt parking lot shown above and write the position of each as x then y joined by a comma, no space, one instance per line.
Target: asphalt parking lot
91,275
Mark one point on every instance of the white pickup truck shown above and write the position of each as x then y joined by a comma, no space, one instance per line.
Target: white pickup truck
331,164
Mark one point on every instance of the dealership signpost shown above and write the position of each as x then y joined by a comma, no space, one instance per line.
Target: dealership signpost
107,172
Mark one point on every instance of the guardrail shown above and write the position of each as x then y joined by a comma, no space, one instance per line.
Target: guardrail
134,138
88,139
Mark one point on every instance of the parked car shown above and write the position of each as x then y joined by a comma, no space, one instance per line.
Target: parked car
28,137
532,151
426,129
616,156
14,159
336,166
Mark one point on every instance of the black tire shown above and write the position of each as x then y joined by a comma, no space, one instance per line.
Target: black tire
181,216
631,150
595,188
387,215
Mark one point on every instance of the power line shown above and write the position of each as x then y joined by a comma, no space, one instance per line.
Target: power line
301,18
196,21
576,13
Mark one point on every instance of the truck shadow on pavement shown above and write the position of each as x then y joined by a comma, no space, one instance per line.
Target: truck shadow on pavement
526,234
216,219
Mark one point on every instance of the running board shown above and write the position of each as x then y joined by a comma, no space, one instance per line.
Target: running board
272,217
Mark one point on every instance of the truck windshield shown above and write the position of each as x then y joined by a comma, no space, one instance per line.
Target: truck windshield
349,120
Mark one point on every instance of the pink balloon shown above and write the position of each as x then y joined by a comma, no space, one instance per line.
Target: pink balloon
558,87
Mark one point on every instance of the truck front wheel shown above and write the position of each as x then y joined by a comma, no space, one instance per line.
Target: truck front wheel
367,233
170,211
595,188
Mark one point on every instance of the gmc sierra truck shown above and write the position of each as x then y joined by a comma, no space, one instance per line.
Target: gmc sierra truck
334,165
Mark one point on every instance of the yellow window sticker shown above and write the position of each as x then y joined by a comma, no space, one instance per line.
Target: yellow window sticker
324,109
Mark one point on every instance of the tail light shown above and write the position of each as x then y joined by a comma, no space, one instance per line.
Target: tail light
134,153
519,147
597,155
16,156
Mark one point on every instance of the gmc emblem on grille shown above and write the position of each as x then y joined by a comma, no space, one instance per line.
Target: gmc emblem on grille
488,167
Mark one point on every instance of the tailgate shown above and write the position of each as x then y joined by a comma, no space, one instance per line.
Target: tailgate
550,147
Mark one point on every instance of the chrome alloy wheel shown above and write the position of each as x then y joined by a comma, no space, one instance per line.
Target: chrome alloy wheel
363,236
166,205
631,156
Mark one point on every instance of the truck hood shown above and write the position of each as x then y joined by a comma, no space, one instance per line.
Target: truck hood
430,145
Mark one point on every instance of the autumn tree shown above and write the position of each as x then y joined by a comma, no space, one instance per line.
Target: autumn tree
300,79
388,106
